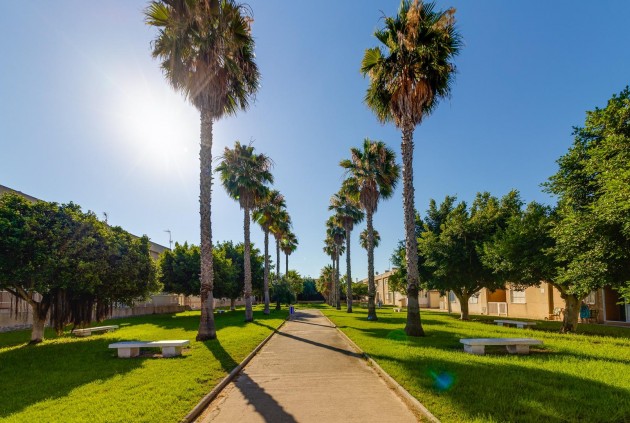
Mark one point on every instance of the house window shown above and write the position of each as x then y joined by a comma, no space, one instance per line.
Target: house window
590,298
389,297
451,296
518,296
474,299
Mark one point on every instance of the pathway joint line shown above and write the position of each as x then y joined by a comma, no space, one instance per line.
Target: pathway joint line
208,398
407,398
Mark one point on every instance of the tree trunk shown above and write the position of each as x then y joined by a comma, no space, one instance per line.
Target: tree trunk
278,259
348,273
232,304
337,283
371,287
414,325
266,274
463,305
249,313
207,329
40,311
571,313
286,264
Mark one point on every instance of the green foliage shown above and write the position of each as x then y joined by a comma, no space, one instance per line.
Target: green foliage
592,231
415,69
281,291
295,281
453,250
325,280
62,260
230,282
206,52
359,290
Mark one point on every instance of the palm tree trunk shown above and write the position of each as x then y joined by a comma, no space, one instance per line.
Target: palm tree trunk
348,273
278,306
286,264
249,314
207,329
337,283
414,325
371,287
266,274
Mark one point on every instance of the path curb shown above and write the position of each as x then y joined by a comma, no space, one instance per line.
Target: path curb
206,400
407,398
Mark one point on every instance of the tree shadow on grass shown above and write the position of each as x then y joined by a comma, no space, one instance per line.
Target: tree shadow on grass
51,370
488,388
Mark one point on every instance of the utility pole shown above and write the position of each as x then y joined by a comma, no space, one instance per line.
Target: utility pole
170,239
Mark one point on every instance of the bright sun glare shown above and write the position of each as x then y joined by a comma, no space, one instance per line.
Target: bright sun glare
157,125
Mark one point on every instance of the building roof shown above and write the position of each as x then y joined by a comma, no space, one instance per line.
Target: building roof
154,247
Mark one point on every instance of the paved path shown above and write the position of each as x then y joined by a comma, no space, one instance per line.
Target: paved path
308,372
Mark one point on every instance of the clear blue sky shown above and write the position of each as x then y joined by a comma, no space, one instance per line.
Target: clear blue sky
85,114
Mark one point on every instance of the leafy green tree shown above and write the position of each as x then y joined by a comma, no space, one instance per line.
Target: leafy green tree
407,81
206,51
295,281
454,250
349,213
592,231
359,290
232,284
281,291
244,176
309,290
67,264
264,215
372,174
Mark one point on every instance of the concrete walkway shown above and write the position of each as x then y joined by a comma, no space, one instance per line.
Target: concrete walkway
307,372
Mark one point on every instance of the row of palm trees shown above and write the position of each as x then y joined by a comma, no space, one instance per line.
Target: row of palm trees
409,75
371,175
206,51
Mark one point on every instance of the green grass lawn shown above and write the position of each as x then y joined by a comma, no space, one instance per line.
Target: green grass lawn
79,379
581,377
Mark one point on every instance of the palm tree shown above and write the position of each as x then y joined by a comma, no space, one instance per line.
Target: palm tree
244,176
348,211
264,216
372,175
330,248
288,245
407,81
363,239
280,225
206,51
336,233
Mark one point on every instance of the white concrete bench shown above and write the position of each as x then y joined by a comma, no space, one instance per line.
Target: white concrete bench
520,325
88,331
513,345
129,349
398,310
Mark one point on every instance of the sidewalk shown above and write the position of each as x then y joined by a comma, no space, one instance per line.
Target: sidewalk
307,372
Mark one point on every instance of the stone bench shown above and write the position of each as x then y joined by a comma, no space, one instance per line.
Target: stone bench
516,323
513,345
398,310
88,331
129,349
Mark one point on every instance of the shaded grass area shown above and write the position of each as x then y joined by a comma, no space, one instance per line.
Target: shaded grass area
576,377
79,379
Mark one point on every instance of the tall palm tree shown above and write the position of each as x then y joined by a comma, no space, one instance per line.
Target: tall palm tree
244,176
281,224
288,245
372,175
206,51
348,210
407,81
330,248
336,233
264,216
363,239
